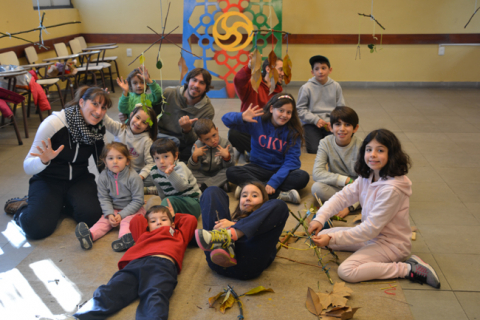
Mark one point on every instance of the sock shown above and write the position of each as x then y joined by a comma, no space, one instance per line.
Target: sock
233,234
409,269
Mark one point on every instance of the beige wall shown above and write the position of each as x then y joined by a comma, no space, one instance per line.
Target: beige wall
393,63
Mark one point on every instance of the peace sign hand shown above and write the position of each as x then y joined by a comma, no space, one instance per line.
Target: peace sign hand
249,114
47,153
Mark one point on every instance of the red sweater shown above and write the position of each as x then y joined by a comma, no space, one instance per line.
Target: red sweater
247,95
160,241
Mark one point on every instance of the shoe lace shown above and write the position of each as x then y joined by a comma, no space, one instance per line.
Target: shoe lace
419,275
222,236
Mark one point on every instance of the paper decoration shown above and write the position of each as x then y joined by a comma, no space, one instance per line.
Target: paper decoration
233,30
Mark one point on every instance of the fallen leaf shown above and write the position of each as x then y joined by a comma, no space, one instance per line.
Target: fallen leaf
229,293
349,314
227,304
211,300
313,302
325,299
287,69
339,288
338,300
258,290
182,66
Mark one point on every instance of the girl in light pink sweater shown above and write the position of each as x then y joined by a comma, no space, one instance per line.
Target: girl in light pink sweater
382,240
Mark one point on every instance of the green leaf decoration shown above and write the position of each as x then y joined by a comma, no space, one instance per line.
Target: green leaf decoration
148,103
142,59
159,64
143,97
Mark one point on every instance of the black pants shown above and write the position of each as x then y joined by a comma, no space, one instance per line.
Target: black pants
240,141
313,135
49,198
256,250
239,175
152,279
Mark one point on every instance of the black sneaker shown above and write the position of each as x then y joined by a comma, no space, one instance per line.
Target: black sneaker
15,204
203,187
124,243
422,272
84,236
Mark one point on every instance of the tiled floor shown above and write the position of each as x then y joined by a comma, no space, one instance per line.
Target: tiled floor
437,127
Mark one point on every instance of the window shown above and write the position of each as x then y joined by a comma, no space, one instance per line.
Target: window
52,4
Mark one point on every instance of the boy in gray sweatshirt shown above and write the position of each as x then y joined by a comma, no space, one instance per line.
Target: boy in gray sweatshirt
316,100
211,156
339,151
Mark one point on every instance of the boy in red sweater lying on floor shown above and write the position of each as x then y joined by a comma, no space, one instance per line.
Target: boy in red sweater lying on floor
148,270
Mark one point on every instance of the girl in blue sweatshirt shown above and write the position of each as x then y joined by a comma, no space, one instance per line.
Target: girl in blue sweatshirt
120,192
276,138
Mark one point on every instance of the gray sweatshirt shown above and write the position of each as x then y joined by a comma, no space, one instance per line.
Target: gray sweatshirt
340,160
316,101
209,164
138,145
122,191
180,182
176,107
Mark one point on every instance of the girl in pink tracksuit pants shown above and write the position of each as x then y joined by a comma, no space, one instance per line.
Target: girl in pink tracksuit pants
382,240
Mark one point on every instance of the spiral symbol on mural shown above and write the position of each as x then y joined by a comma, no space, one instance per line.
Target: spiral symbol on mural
236,45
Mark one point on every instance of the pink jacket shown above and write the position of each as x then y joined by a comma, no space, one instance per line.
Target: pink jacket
385,213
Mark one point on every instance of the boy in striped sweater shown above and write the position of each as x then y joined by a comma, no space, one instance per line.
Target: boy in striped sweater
173,179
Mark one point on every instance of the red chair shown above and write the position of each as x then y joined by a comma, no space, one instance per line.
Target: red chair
7,96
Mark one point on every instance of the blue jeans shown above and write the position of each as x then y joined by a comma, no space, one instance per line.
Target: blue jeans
153,279
256,250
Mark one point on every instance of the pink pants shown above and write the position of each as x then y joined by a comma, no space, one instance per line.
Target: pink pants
102,226
370,260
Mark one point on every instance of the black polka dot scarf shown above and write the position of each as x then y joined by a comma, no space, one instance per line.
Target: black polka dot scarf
79,130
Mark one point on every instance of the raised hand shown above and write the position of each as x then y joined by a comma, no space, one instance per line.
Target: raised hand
186,123
170,208
223,152
169,169
123,84
144,74
270,189
251,113
314,227
250,56
47,153
122,117
198,152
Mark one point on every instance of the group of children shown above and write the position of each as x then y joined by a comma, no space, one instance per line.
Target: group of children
348,173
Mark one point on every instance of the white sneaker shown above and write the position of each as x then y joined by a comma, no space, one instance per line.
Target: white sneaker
237,192
236,155
290,196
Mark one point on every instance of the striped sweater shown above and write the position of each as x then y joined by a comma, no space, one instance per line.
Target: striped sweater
180,182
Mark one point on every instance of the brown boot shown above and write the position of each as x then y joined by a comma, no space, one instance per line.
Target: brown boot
15,204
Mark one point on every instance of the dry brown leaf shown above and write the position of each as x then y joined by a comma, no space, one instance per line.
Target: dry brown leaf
258,290
287,69
211,300
338,300
256,65
227,304
337,313
313,302
272,60
349,314
339,288
273,74
182,66
325,299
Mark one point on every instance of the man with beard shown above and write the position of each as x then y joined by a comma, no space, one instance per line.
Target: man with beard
185,105
248,96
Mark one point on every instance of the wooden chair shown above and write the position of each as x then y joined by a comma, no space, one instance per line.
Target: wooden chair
32,59
88,68
14,98
77,49
10,58
83,45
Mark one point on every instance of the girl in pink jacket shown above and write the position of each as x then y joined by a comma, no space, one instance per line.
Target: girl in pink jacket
382,240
